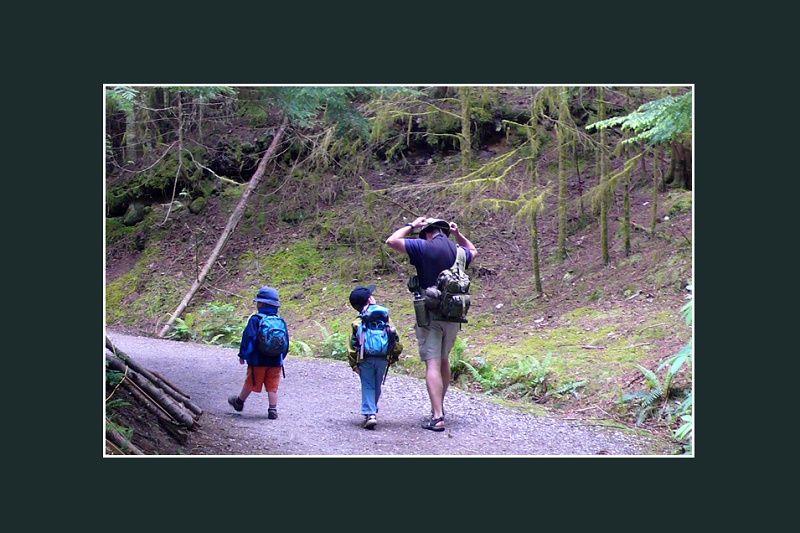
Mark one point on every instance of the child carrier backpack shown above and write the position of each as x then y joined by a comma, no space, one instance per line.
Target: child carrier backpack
452,285
273,337
376,337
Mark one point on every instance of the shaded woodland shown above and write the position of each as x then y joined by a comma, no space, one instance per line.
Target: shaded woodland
211,184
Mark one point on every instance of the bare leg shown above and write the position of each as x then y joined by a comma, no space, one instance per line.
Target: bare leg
445,372
244,394
273,397
433,381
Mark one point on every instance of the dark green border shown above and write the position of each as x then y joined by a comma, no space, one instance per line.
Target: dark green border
371,55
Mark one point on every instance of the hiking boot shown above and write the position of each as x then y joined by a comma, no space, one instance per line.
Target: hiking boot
236,403
272,414
370,421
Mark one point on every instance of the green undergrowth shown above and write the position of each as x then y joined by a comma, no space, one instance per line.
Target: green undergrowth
584,353
141,293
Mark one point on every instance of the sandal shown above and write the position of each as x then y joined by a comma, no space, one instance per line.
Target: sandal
431,424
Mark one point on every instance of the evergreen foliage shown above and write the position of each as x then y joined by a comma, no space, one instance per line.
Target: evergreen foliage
121,97
659,121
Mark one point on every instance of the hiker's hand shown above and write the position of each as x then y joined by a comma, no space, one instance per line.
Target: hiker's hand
453,228
419,222
241,361
357,370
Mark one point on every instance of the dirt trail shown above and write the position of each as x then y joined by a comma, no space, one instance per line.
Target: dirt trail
319,413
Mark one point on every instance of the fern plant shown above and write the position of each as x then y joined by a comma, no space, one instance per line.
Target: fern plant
458,359
654,402
649,399
334,345
484,374
297,347
685,432
181,330
219,324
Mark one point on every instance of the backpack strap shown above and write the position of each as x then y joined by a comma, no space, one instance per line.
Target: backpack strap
461,258
360,336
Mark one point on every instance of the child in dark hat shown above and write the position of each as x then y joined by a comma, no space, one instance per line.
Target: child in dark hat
371,369
264,365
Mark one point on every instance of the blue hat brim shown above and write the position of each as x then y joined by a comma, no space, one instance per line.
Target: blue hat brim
274,303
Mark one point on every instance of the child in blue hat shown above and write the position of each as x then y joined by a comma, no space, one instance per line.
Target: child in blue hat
264,357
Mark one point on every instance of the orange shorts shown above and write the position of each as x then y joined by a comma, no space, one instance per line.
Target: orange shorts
266,376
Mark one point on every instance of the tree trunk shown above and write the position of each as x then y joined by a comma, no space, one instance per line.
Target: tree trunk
466,140
654,211
679,173
626,211
537,278
582,213
562,191
682,176
232,222
601,115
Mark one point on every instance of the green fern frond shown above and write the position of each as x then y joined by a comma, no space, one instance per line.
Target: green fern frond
684,432
659,121
652,397
122,98
570,388
299,347
652,378
116,403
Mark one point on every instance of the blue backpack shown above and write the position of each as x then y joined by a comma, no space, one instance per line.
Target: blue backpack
273,337
374,336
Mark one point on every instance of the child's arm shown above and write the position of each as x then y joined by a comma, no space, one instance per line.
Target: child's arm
398,346
352,347
288,342
248,340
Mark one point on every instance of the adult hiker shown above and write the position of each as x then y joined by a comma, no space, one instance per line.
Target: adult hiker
432,253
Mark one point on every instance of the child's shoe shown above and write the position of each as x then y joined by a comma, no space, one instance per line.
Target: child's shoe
370,421
272,413
236,403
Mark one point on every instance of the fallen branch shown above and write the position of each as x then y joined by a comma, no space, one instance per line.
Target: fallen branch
157,380
175,410
653,326
177,431
111,445
176,389
120,443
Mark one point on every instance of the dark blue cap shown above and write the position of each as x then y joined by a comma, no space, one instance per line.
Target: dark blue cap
360,296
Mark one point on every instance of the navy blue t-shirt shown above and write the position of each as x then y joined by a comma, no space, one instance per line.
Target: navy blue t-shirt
431,257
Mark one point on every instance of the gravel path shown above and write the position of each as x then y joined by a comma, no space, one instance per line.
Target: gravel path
319,408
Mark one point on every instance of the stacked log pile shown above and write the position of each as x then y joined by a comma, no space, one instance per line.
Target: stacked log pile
173,408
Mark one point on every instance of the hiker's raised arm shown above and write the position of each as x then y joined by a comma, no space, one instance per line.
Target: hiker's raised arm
397,240
463,241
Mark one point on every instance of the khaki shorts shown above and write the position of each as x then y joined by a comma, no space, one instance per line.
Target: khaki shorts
436,341
266,376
